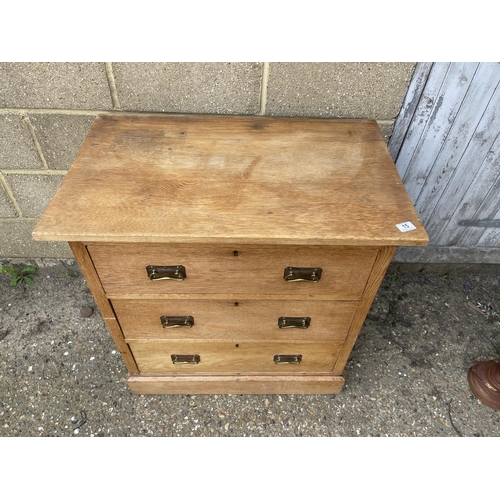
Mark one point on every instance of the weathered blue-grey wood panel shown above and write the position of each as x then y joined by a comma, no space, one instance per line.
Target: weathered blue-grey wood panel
446,144
413,94
483,199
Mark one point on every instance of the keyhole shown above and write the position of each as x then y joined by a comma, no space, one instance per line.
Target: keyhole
236,304
237,345
235,253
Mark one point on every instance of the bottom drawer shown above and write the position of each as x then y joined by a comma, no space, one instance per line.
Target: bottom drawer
231,357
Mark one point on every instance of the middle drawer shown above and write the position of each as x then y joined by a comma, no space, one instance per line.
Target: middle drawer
236,319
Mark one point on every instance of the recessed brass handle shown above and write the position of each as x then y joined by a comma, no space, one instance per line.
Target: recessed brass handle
286,322
185,359
176,321
156,273
288,359
312,274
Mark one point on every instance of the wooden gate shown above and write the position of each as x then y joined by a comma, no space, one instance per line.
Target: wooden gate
446,146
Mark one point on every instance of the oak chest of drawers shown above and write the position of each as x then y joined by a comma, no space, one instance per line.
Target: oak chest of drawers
233,254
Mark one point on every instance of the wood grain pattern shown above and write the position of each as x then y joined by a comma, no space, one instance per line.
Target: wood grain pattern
227,384
232,179
89,273
257,269
223,319
382,262
240,358
217,296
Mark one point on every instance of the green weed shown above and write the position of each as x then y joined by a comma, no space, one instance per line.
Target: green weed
19,274
396,274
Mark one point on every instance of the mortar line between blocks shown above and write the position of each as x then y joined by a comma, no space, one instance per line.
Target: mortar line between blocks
263,88
17,219
26,119
51,111
112,86
33,172
11,196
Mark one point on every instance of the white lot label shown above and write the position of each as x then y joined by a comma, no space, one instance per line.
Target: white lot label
405,226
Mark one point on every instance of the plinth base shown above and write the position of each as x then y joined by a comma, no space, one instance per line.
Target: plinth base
236,384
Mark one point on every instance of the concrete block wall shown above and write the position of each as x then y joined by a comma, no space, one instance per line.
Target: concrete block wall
46,110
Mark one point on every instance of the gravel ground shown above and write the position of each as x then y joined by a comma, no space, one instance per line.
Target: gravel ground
61,375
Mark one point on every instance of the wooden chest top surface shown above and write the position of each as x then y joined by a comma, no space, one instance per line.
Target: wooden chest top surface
225,179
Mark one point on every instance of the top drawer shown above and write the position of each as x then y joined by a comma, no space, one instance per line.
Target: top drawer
236,270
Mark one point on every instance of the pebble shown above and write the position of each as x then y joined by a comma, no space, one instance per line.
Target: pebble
86,312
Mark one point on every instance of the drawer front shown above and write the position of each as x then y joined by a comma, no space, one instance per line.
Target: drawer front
235,319
245,269
234,357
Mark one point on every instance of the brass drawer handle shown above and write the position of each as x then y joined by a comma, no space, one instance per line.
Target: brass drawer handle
286,322
176,321
312,274
185,359
176,273
288,359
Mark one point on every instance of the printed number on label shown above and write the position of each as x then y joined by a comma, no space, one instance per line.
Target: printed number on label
405,226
